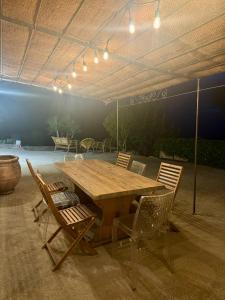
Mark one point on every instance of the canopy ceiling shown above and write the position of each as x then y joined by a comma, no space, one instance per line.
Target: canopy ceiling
40,40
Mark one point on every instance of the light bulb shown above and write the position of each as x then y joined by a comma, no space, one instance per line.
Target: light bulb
60,91
69,86
55,88
156,23
131,27
74,74
106,54
96,59
85,67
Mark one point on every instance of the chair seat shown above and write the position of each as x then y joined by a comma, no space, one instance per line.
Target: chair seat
56,187
76,214
65,199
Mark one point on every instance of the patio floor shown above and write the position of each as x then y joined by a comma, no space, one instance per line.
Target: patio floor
197,249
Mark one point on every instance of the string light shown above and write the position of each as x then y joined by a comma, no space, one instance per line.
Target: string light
85,68
74,74
156,23
69,85
96,59
55,88
131,24
60,91
106,52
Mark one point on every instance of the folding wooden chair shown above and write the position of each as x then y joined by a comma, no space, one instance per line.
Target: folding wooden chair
138,167
75,221
170,176
53,188
123,160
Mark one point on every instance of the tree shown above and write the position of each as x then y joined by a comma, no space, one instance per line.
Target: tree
125,124
140,126
64,126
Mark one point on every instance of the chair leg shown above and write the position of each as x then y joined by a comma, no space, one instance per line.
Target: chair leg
61,260
35,211
46,226
52,236
76,241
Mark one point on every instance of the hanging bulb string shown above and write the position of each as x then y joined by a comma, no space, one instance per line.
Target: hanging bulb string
121,13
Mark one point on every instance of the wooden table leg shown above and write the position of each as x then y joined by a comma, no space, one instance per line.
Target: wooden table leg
111,208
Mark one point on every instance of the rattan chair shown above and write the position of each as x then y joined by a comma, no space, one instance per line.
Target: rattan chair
55,187
170,176
124,160
75,221
87,144
138,167
147,224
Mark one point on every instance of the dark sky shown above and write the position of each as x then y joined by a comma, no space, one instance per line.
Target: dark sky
24,111
181,110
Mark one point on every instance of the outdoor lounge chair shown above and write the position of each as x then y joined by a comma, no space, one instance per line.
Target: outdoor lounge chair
55,187
75,221
148,222
138,167
123,160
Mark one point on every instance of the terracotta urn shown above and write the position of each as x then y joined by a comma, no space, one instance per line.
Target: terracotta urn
10,173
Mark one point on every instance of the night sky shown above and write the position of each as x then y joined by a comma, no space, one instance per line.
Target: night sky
24,111
181,110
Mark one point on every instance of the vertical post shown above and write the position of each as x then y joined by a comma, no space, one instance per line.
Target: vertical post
117,125
196,145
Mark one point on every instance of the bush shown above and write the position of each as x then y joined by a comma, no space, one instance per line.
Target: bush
210,152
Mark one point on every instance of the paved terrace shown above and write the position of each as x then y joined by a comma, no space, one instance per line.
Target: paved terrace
197,250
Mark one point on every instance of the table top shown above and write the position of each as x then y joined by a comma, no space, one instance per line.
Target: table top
101,180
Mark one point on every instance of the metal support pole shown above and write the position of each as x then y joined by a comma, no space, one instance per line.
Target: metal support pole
196,145
117,126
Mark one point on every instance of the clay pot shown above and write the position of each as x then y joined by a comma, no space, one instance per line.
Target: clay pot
10,173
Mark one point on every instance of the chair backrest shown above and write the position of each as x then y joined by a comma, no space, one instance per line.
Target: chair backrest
123,160
170,176
152,214
48,198
31,169
138,167
87,143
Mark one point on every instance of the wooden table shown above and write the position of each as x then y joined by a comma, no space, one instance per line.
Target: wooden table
112,188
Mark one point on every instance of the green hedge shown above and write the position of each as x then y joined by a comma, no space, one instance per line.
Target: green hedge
210,152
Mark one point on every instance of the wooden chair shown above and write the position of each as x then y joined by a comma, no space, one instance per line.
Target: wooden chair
53,188
123,160
75,221
138,167
170,176
148,222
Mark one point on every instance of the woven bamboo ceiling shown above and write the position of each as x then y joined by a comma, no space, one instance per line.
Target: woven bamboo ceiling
41,39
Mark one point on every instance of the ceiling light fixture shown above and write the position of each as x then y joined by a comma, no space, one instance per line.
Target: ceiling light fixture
55,88
157,22
96,59
84,66
69,85
60,91
106,52
131,24
74,74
